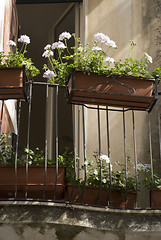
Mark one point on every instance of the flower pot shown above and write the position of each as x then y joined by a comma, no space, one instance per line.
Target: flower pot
118,91
12,83
117,199
35,184
155,198
90,196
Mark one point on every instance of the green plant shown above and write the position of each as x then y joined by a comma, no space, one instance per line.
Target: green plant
99,172
96,58
16,58
37,157
150,181
6,150
67,159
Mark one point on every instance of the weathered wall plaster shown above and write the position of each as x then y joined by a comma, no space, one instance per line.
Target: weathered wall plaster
45,221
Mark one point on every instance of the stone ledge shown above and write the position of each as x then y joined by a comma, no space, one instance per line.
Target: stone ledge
15,212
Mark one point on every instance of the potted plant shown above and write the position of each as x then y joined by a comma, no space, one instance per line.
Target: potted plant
153,183
93,76
103,186
15,70
31,177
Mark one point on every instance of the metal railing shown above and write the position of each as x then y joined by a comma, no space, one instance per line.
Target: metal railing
80,150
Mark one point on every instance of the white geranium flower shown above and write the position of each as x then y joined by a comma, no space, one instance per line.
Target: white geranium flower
104,180
108,59
86,163
95,172
149,58
58,45
96,49
64,35
100,37
47,54
49,74
143,167
111,43
47,47
27,64
61,45
24,39
105,158
80,49
11,43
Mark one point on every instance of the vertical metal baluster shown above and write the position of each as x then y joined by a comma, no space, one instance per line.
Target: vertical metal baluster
159,129
78,163
99,143
151,158
2,107
125,157
28,135
46,142
135,157
57,139
108,145
84,152
17,141
74,143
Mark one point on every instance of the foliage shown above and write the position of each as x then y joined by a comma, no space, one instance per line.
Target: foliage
99,171
37,157
97,58
6,153
67,159
16,58
150,181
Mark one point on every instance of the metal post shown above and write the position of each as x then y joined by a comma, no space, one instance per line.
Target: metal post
125,156
74,143
78,141
108,146
135,157
2,107
84,152
99,143
17,140
28,134
151,158
57,139
159,129
46,142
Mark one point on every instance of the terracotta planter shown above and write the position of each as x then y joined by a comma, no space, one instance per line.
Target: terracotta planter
118,91
90,195
12,83
155,198
35,185
117,199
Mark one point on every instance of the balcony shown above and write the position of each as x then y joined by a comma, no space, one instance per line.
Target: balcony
61,190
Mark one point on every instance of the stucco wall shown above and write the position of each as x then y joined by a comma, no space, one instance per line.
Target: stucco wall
46,221
122,21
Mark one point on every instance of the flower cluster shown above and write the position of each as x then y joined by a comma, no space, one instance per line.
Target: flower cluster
96,57
16,58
